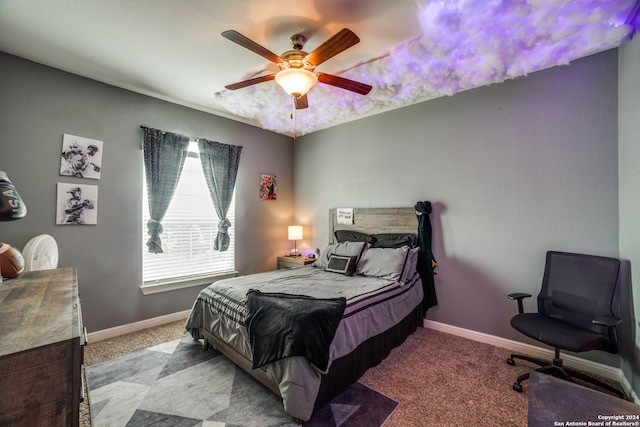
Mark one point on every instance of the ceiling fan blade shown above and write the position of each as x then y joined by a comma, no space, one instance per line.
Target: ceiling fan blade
250,82
343,83
302,102
340,41
246,42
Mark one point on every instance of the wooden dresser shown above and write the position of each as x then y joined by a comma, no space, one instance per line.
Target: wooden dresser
41,349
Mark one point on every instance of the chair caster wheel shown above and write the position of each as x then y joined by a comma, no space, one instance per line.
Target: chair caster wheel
517,387
510,361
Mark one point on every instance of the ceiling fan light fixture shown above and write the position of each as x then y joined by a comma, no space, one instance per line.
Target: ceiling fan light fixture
296,81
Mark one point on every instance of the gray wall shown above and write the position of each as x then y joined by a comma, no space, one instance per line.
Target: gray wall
39,104
513,170
629,172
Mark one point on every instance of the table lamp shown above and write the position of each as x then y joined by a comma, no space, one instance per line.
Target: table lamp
295,233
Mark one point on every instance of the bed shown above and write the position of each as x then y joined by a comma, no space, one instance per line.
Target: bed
357,302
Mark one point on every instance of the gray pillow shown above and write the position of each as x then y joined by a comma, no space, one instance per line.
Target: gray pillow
343,249
410,265
342,264
386,263
323,258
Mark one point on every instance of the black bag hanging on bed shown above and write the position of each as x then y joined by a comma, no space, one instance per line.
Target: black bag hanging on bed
426,261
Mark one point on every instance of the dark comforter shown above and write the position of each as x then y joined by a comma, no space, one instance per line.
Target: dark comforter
282,325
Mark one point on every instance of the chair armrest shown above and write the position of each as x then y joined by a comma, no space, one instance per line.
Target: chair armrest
519,296
607,321
610,322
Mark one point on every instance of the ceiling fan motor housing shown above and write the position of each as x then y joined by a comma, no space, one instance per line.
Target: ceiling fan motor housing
298,41
294,59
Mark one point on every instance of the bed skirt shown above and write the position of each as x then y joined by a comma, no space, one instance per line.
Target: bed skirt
349,368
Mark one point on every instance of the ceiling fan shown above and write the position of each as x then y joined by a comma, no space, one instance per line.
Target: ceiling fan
296,75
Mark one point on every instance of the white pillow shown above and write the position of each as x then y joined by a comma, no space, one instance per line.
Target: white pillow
386,263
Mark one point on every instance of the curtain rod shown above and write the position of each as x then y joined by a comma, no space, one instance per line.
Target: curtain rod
191,138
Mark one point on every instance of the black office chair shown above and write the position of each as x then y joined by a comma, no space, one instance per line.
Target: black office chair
575,313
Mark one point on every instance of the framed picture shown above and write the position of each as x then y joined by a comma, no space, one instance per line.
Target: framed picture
77,204
81,157
268,187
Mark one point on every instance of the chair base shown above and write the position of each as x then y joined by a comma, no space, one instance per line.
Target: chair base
557,369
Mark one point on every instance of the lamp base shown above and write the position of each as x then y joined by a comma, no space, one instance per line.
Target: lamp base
294,252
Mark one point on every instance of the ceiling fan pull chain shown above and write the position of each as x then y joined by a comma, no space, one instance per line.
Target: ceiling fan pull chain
294,116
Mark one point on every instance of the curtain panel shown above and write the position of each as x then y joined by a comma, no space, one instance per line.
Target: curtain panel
164,157
220,166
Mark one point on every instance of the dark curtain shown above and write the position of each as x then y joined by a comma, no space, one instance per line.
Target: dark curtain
220,166
164,156
426,261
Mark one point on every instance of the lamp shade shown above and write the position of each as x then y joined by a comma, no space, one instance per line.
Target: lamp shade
295,232
296,81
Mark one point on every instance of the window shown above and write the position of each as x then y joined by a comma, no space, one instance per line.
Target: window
190,227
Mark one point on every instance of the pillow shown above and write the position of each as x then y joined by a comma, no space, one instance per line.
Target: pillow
410,265
394,240
344,249
353,236
386,263
342,264
323,259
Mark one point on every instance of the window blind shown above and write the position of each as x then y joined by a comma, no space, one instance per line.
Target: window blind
190,227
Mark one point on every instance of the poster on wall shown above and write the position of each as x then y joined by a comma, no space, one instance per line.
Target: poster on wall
81,157
345,216
268,187
77,204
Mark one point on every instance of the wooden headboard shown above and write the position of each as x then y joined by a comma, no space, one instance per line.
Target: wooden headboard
376,220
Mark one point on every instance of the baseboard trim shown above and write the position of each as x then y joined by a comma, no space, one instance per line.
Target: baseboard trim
595,368
106,334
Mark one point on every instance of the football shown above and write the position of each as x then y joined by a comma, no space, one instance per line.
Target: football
11,261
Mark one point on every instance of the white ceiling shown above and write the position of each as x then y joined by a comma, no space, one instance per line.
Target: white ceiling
410,50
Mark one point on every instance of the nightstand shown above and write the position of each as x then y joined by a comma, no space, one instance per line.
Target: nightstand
293,261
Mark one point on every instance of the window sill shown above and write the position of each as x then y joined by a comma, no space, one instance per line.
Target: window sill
149,288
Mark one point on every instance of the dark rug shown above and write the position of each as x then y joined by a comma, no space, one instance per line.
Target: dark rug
179,384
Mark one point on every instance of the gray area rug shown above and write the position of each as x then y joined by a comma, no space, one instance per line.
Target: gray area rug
554,401
178,384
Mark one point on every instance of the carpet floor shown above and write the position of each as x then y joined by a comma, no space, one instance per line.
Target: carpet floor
438,379
178,384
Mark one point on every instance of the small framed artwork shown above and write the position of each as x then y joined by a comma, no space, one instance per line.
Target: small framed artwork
77,204
268,187
81,157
